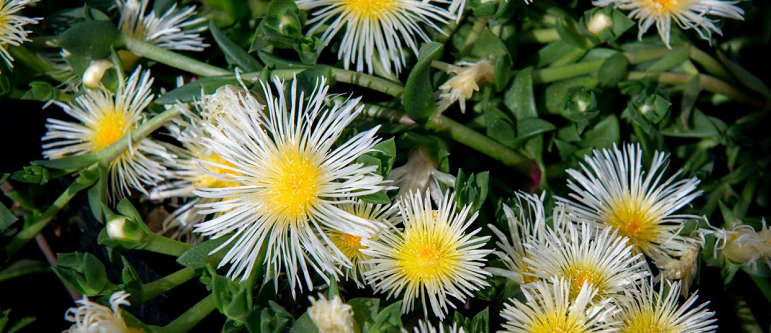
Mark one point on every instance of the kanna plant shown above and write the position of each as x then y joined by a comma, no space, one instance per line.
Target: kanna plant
384,166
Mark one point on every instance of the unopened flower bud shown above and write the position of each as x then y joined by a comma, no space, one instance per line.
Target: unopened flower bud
94,73
599,22
122,228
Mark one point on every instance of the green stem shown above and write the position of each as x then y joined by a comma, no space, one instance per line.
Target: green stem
473,35
114,150
539,36
639,56
28,233
172,59
191,317
547,75
709,63
708,83
368,81
480,143
32,60
160,286
159,244
382,113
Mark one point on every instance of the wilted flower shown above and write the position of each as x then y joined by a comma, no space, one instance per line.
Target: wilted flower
468,77
331,316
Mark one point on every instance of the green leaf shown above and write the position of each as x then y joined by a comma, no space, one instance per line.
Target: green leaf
701,127
192,91
471,190
231,298
603,134
41,91
6,218
519,98
530,127
378,198
364,311
280,28
764,285
200,255
84,273
92,39
418,97
613,70
570,32
23,267
499,126
744,76
388,320
385,153
304,324
671,60
234,54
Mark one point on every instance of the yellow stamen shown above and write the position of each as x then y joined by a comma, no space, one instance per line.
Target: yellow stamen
110,127
635,220
429,253
644,322
350,245
205,180
370,9
666,6
294,188
580,274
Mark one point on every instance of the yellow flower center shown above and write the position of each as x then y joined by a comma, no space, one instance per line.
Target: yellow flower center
205,180
645,322
666,6
581,273
110,127
429,252
556,322
370,9
350,245
635,220
294,186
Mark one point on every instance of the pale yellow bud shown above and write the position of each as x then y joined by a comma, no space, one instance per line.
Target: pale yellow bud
94,73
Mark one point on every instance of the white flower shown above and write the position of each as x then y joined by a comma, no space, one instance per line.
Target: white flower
649,311
425,327
351,245
62,71
331,316
688,14
528,222
432,259
683,268
90,317
419,173
549,308
12,26
375,31
468,76
614,190
597,258
742,245
292,180
105,118
187,172
175,29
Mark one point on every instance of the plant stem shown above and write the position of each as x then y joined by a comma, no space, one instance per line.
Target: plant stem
29,231
539,36
30,59
382,113
639,56
480,143
159,244
157,287
473,35
553,74
709,63
708,83
191,317
172,59
368,81
114,150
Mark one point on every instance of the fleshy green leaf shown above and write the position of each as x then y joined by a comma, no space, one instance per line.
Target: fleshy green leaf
23,267
418,94
519,97
613,70
92,39
192,91
234,54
